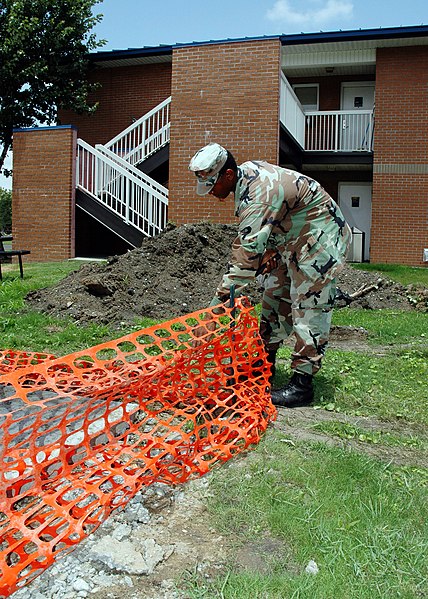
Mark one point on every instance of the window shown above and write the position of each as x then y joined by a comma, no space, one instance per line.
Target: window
307,94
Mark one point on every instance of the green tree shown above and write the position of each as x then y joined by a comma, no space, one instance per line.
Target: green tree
5,210
44,47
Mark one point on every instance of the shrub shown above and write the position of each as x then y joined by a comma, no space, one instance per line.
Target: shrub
5,210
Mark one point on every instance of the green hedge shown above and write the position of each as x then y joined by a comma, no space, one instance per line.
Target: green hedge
5,210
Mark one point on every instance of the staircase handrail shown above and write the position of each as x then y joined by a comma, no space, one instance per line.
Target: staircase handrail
133,170
145,136
140,179
135,198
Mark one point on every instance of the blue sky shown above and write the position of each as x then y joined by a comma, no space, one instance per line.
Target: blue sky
138,23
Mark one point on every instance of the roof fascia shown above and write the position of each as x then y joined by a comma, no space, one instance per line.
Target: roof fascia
355,35
285,39
130,53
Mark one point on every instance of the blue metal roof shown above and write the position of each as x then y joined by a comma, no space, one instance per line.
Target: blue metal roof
286,39
356,34
43,128
229,40
131,53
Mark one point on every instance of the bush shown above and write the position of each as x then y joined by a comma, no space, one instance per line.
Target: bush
5,210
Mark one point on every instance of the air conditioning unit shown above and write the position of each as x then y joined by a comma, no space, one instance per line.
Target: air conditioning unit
356,252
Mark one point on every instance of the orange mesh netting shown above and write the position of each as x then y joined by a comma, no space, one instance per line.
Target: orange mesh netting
11,360
83,433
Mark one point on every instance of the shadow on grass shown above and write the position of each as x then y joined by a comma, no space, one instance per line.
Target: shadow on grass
325,388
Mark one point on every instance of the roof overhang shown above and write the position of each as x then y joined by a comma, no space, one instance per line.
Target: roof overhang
131,57
345,52
303,54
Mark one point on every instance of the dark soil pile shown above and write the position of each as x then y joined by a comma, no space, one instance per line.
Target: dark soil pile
174,274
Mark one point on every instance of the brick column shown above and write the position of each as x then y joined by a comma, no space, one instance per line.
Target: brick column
400,168
227,93
43,192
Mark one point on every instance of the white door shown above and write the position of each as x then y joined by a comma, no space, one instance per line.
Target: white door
356,131
355,200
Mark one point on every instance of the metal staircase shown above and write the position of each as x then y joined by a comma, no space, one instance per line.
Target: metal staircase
114,191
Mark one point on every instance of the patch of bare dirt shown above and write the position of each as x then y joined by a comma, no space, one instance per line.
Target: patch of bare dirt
177,273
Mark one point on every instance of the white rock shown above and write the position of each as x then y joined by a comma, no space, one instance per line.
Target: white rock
153,554
312,568
142,515
104,580
122,531
122,556
128,581
81,585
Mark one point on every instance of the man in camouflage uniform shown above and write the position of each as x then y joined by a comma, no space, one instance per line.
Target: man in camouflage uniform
288,222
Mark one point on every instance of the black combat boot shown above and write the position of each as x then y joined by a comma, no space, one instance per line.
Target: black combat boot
298,392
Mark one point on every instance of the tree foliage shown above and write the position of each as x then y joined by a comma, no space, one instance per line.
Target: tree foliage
43,61
5,210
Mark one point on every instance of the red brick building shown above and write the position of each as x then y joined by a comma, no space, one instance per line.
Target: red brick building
349,108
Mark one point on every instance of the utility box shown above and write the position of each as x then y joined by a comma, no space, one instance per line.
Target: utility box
356,252
426,255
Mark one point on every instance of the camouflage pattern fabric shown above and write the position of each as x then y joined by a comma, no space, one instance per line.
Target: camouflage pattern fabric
304,310
291,213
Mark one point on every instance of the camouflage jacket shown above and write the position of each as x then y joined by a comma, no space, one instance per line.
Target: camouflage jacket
284,210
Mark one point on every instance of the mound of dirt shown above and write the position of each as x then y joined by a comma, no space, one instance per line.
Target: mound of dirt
174,274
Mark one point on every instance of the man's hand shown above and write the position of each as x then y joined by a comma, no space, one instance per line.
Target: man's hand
270,260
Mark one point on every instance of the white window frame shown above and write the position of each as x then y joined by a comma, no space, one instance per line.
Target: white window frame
317,86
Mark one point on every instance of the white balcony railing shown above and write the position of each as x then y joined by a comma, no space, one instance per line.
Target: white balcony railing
339,131
144,137
325,131
291,113
137,199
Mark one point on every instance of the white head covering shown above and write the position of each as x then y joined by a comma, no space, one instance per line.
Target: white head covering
206,164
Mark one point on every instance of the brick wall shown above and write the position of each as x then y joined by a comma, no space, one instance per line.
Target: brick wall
228,93
400,169
125,94
43,192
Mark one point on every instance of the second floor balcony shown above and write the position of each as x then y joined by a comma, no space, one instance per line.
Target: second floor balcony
326,131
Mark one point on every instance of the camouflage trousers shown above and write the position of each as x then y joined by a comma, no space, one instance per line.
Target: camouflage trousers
294,304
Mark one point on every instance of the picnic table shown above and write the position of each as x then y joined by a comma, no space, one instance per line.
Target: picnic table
5,254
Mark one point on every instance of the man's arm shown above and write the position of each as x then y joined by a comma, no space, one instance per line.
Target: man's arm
255,227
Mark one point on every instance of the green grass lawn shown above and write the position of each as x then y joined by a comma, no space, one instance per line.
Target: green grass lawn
386,327
28,330
363,520
406,275
392,386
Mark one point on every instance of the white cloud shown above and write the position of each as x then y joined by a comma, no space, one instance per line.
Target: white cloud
319,15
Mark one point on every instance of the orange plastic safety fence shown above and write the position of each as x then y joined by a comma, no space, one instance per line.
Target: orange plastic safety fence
11,359
83,433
